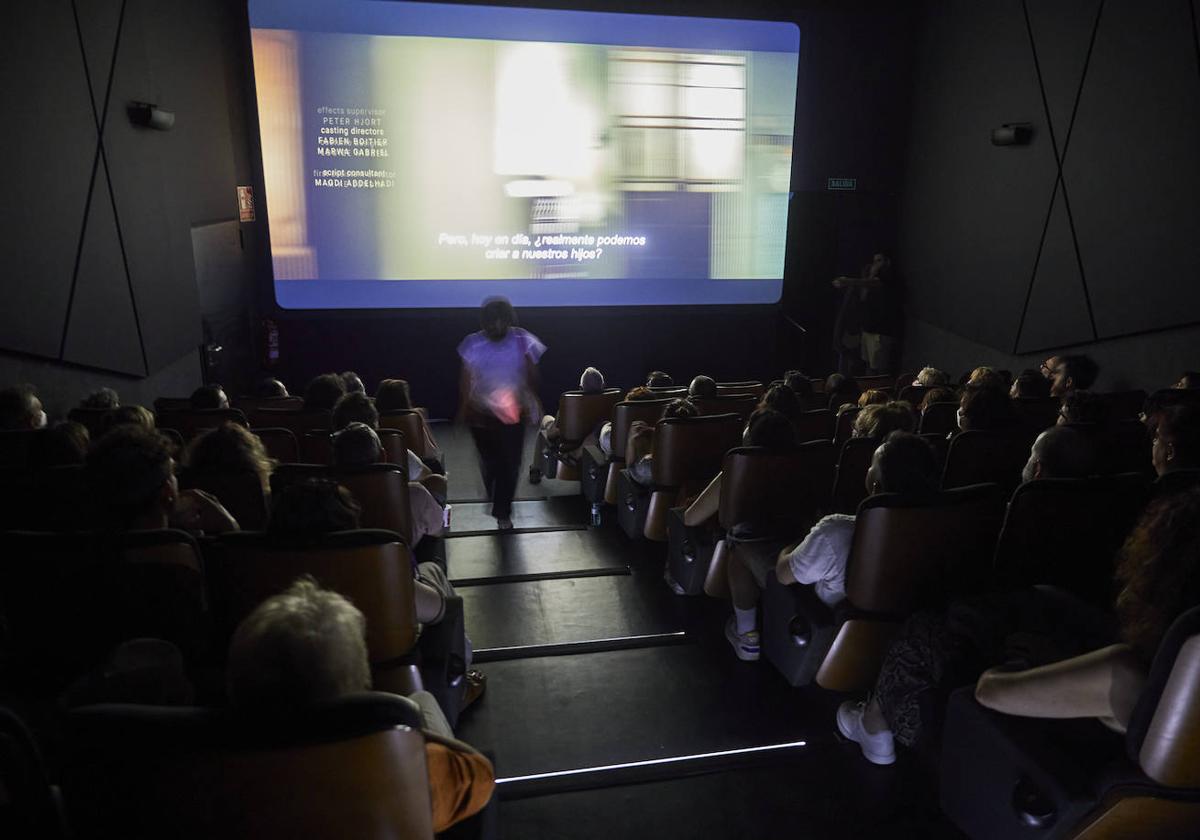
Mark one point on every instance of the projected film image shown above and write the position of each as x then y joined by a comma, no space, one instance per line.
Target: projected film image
419,170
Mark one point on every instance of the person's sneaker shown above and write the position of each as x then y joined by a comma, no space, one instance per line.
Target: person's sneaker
877,747
745,645
505,523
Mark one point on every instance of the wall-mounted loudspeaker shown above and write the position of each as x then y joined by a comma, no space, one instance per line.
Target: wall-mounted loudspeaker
1012,134
149,115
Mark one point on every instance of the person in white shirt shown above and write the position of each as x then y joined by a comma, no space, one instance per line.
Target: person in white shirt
903,464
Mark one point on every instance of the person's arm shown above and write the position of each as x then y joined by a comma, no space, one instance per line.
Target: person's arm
196,510
431,606
706,505
1103,684
857,283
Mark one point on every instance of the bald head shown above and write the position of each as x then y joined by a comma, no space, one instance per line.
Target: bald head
1059,452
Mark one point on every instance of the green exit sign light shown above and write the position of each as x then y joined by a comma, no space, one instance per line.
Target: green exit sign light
843,183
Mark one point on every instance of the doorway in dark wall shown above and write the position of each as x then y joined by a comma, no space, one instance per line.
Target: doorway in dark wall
226,287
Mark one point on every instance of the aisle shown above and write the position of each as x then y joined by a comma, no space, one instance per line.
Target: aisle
616,708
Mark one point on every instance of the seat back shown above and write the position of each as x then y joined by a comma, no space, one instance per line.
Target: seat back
579,414
815,425
381,490
907,555
28,807
372,568
987,457
67,599
1037,413
912,394
740,404
249,404
775,493
190,422
411,425
1123,405
689,451
298,422
352,768
50,499
749,387
279,443
93,419
172,404
1066,532
316,447
240,493
844,425
624,415
15,445
1129,449
939,418
882,382
850,481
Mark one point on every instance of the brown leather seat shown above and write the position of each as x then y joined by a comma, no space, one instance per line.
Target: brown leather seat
279,443
688,453
15,445
982,457
844,425
850,481
298,422
939,418
816,425
381,490
240,493
373,568
1074,779
95,420
578,416
731,389
912,394
1037,413
1066,533
624,415
411,424
905,556
1123,405
740,404
67,599
172,404
354,767
882,382
190,422
249,404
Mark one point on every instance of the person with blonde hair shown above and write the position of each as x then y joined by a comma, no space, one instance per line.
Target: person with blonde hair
931,377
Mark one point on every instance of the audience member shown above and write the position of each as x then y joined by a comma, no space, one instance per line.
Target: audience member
229,449
103,398
881,419
323,392
986,377
130,473
938,394
1059,452
1049,366
394,395
841,390
311,508
352,382
635,394
20,409
639,448
1189,381
129,415
355,407
209,397
1082,407
903,463
985,408
872,396
1072,374
591,381
1176,439
800,384
931,377
659,379
702,387
62,445
783,399
308,645
270,388
1030,384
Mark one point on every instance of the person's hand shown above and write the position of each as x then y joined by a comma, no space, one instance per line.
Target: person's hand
196,510
839,282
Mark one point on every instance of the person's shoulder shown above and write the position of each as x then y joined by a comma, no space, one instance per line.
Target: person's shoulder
529,342
470,342
835,524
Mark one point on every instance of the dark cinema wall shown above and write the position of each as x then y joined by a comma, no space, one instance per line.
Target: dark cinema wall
1084,239
109,226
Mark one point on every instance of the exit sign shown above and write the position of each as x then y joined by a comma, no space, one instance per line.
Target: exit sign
843,183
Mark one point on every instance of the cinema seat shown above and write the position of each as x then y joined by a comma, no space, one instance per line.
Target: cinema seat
67,599
1004,776
163,404
882,382
353,767
939,418
850,480
623,416
15,445
279,443
981,457
298,422
412,425
688,453
191,422
95,420
1066,533
912,394
844,425
250,404
1129,450
31,806
50,499
748,387
816,425
905,556
578,416
1037,413
765,496
740,404
381,490
240,493
1123,405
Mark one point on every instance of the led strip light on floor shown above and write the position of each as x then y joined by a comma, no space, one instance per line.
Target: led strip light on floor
650,762
617,643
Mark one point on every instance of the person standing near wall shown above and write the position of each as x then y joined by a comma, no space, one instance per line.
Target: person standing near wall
498,397
871,304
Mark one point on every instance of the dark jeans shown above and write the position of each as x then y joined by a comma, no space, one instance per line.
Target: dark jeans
500,463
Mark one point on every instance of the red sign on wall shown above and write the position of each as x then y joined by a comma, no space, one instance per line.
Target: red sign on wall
245,204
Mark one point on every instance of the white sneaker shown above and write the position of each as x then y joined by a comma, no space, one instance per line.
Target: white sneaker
877,747
745,645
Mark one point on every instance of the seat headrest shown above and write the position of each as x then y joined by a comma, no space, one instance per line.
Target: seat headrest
1183,628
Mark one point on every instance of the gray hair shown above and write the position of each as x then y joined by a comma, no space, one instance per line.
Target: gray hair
591,381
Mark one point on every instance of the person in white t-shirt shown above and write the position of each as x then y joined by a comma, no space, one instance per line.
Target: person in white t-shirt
903,464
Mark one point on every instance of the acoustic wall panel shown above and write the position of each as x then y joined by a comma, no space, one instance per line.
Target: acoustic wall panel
99,33
973,213
1133,169
50,143
1062,38
103,331
1058,311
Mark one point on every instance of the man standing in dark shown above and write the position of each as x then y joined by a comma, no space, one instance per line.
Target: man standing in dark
872,304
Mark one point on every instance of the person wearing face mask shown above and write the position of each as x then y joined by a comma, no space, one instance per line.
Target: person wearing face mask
20,409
